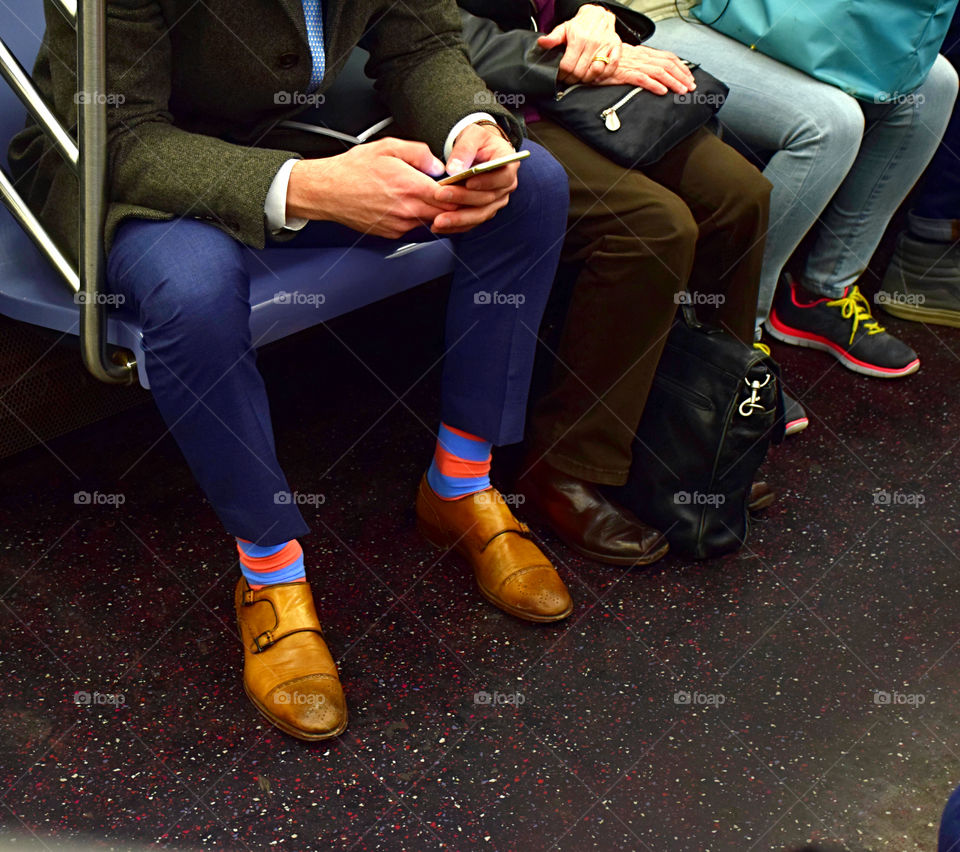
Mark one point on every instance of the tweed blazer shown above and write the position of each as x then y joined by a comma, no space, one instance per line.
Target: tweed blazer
195,91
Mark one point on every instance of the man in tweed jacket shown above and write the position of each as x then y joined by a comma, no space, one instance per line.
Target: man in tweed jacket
198,169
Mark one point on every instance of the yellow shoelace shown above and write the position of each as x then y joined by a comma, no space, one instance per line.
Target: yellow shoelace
856,306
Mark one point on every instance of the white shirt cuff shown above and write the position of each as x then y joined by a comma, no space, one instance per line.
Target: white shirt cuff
458,128
275,207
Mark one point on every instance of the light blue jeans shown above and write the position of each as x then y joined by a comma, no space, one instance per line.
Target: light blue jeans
830,154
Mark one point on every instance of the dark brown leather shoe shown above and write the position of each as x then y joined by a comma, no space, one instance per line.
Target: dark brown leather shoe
587,521
510,570
288,672
761,497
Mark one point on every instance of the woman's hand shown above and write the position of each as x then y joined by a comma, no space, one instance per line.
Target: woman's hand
657,71
591,34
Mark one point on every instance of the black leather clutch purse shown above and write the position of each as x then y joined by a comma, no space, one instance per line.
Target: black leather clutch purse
630,125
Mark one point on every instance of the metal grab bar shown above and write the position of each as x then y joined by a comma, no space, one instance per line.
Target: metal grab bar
24,216
92,112
19,80
68,9
89,21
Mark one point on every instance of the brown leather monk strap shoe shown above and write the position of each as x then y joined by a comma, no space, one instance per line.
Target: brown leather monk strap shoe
511,571
586,520
288,672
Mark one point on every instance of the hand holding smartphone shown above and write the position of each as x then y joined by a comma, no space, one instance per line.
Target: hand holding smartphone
483,168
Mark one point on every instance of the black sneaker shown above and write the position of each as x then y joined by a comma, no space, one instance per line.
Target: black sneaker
795,418
843,327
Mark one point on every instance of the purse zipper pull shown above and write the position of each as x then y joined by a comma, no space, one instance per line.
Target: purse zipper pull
563,93
610,119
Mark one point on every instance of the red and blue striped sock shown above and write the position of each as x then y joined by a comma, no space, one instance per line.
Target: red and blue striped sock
267,566
461,464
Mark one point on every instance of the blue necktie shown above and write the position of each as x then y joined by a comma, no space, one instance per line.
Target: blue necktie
314,17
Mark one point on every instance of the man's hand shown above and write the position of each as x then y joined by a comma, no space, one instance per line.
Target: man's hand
481,196
657,71
382,188
592,33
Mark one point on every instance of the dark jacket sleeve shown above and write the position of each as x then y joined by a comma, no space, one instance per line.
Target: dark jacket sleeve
510,61
419,62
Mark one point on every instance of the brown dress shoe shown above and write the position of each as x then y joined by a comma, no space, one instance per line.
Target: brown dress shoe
511,571
761,497
288,672
587,521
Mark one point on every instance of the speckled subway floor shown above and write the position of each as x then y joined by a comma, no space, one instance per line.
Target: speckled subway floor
589,745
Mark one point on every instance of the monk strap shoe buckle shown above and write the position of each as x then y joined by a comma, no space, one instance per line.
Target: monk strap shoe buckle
261,645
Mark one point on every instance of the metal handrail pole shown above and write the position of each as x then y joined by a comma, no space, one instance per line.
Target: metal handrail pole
19,80
68,8
92,116
29,222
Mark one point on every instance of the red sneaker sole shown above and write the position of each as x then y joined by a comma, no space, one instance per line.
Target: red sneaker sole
797,425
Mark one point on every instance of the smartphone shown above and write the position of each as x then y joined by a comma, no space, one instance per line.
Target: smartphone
481,168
